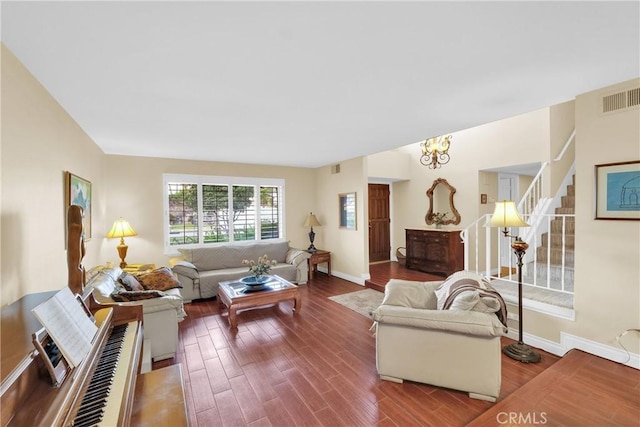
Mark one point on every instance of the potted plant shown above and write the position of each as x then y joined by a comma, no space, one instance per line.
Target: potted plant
439,218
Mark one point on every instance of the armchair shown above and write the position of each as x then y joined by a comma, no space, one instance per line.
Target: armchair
456,348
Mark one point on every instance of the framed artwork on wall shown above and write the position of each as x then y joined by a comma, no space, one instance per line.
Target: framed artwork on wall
79,193
618,191
347,203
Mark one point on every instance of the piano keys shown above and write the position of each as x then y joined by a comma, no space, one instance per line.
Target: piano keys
96,392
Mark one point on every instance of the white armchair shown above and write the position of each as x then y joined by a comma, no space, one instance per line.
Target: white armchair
452,348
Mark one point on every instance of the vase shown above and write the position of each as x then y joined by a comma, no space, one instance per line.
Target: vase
438,226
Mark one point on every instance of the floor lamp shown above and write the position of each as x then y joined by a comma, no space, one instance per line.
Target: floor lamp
505,216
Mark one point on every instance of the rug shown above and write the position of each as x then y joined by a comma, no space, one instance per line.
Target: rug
362,302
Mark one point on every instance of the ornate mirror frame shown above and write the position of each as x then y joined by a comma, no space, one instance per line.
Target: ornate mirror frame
429,218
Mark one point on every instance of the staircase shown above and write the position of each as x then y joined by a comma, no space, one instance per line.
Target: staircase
554,256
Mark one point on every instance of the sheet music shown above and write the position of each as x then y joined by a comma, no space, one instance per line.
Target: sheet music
67,324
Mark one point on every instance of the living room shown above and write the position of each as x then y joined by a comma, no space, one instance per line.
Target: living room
40,141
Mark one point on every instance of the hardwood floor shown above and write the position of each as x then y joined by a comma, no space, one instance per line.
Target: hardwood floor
316,368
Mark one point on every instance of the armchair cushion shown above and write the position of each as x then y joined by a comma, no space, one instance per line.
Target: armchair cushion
296,256
406,293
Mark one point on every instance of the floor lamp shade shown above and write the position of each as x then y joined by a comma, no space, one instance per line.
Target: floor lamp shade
121,228
311,221
505,216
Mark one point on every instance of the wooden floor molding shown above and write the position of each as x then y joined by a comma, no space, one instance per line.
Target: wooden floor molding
318,368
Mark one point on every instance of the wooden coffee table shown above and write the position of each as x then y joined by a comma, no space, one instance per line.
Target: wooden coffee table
231,294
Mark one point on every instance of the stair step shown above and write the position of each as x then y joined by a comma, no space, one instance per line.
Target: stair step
556,240
568,201
568,222
556,256
571,189
565,211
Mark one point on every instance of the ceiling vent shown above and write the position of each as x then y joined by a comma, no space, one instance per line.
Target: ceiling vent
621,101
335,168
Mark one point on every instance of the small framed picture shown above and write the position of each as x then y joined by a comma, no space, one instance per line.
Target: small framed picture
618,191
79,193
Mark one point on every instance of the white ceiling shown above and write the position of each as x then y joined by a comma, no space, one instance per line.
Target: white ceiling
312,83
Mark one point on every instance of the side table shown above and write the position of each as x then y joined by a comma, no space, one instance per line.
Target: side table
319,257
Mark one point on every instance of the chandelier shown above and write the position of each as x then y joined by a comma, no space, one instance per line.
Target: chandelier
435,151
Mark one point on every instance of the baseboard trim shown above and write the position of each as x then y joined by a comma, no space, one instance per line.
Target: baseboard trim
357,280
614,354
569,342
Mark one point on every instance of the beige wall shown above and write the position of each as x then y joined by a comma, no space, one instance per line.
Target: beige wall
134,191
562,120
514,141
607,270
40,141
349,248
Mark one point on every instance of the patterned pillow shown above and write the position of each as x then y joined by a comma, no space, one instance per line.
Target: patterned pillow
130,282
126,296
160,279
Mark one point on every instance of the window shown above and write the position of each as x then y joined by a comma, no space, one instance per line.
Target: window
202,210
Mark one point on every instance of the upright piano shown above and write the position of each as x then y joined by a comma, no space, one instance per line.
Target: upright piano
99,391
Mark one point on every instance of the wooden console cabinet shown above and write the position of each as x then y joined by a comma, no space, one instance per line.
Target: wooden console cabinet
435,251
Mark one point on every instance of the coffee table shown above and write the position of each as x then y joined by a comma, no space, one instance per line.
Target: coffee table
231,294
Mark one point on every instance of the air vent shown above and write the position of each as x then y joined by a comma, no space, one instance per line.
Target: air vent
335,168
621,100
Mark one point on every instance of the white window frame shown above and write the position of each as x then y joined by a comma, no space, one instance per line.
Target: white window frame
199,181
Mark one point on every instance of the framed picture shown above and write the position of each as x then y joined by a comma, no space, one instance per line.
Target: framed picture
347,203
618,190
79,193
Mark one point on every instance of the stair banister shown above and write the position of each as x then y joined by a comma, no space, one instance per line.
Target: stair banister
566,146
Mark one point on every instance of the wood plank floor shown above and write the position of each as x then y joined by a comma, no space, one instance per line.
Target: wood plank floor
312,368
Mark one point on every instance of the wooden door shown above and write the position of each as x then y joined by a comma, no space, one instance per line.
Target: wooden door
379,223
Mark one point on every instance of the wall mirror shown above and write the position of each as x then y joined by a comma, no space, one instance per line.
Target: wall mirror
347,203
441,201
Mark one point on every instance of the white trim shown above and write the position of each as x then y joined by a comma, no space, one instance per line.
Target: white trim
614,354
348,277
569,342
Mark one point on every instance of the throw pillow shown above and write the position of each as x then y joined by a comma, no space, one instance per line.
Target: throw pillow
465,301
160,279
130,282
126,296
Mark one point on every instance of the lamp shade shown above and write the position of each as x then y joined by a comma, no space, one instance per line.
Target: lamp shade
311,221
121,228
506,215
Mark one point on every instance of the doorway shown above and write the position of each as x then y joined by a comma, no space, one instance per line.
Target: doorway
379,223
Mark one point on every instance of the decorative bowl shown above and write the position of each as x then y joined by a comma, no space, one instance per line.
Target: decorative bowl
255,281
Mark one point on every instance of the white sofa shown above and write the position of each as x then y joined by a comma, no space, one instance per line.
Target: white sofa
160,315
455,348
200,270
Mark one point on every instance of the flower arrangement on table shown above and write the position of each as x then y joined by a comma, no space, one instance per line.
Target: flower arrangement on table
439,217
260,267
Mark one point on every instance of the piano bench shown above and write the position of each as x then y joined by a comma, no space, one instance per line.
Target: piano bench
159,399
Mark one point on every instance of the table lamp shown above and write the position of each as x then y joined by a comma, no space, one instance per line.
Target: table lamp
311,221
121,228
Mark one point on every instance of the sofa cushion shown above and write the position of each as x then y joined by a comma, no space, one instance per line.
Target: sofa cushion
231,256
160,279
130,282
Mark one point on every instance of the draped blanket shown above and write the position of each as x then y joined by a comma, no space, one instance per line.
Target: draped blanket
484,291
